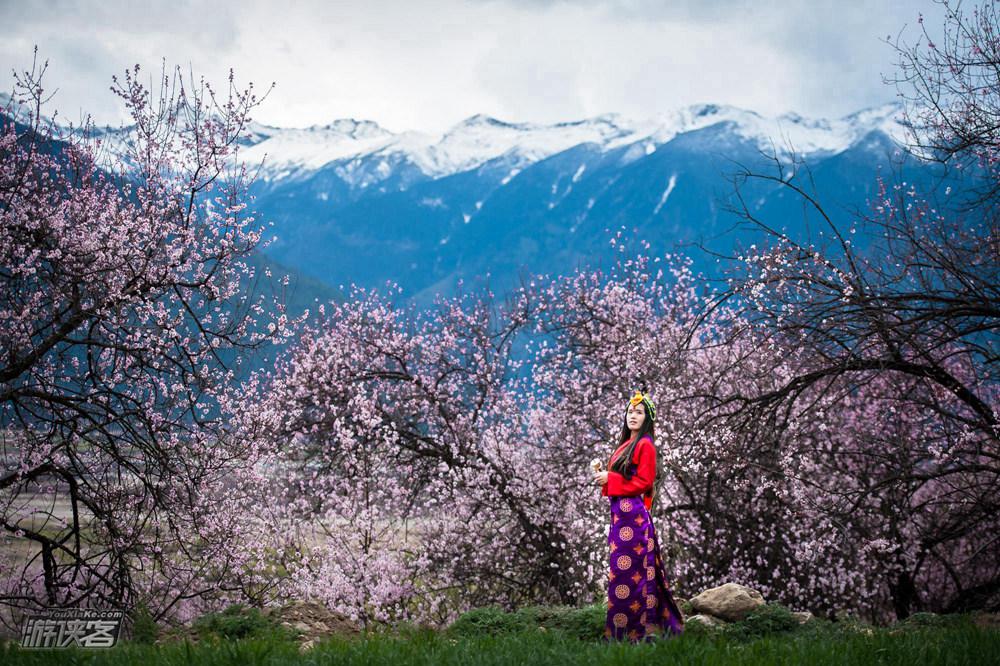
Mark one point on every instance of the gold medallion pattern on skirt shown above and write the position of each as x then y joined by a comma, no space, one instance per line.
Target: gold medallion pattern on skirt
637,601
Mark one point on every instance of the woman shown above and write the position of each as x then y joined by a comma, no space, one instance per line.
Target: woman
639,601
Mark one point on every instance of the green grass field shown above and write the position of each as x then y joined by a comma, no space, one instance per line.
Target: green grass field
489,636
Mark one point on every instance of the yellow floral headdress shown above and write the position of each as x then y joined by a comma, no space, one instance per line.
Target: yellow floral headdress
642,397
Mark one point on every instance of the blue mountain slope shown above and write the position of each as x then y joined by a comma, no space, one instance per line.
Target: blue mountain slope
354,203
555,214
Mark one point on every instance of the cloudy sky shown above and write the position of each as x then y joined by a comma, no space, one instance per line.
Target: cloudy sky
427,64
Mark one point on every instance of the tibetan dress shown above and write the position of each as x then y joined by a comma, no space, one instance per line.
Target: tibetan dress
640,603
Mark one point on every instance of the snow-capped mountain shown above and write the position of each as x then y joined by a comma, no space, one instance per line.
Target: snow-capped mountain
480,139
354,202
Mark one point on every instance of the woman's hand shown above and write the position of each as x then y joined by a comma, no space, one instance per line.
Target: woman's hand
600,478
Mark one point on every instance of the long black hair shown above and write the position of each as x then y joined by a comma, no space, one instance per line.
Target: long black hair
622,462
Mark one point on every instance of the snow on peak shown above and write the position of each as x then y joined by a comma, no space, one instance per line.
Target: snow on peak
786,132
286,151
482,120
478,139
355,129
481,138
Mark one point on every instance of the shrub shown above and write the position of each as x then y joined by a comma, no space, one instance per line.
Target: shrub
491,620
934,620
144,627
239,621
762,621
585,623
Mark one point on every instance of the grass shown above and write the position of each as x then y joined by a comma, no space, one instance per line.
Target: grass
490,636
585,623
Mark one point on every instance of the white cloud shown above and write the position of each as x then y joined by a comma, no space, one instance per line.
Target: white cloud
421,64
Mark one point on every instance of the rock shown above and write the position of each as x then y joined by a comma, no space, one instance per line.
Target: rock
802,616
706,620
987,620
313,621
731,601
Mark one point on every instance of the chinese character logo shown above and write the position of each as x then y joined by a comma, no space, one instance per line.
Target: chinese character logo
66,627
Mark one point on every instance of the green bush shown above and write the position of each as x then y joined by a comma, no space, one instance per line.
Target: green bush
699,629
934,620
144,627
585,623
239,621
924,620
685,607
763,621
489,620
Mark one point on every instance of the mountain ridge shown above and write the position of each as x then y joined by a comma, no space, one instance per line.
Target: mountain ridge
353,202
480,138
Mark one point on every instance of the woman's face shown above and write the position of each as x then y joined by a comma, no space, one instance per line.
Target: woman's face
635,416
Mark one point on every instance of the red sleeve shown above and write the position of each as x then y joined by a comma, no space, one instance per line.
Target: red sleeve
643,478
